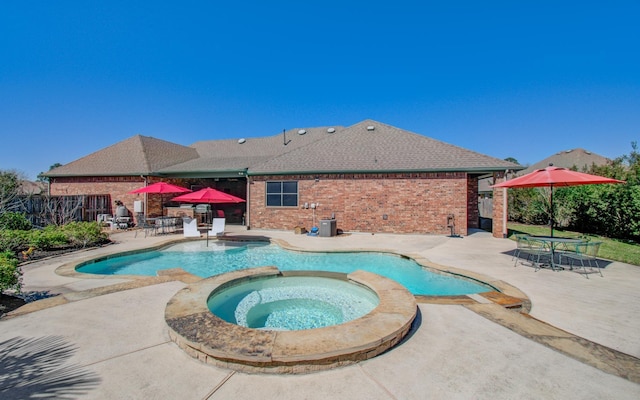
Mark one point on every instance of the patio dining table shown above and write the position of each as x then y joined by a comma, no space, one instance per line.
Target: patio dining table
165,224
553,242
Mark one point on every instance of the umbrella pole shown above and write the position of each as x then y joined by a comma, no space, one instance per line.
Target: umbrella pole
162,221
551,210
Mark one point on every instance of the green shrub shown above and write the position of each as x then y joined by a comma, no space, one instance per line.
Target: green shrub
14,221
14,241
84,234
10,272
48,238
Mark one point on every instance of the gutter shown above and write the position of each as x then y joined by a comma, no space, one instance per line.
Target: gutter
405,171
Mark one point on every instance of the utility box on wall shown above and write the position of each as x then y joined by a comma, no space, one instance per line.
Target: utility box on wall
138,206
328,228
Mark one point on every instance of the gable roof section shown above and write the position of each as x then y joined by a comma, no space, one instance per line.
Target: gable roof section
580,158
383,149
138,155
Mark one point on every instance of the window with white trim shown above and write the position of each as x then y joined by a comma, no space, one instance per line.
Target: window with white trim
282,193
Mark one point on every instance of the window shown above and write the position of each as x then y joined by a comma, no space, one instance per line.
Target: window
282,194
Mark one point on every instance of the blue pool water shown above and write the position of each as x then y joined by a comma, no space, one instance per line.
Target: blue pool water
222,257
292,303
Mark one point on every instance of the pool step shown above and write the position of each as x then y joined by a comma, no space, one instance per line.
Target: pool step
504,300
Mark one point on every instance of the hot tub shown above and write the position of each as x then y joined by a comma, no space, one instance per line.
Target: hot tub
215,340
292,302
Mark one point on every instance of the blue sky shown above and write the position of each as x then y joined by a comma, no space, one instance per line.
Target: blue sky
522,79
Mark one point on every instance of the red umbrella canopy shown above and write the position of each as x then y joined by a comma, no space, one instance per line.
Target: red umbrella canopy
208,195
554,176
161,187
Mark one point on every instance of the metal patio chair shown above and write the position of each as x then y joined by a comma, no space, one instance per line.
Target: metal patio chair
522,245
538,251
586,252
146,226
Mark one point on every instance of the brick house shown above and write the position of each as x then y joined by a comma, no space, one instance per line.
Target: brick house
371,177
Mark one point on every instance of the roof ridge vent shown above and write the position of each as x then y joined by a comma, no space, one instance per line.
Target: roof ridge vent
331,130
302,131
241,140
371,127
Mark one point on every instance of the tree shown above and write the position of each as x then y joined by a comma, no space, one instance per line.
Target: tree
42,178
9,190
513,160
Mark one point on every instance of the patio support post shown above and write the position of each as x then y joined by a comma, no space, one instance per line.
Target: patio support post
247,212
504,213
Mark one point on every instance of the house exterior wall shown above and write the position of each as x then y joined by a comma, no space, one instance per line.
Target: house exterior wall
411,202
116,186
499,207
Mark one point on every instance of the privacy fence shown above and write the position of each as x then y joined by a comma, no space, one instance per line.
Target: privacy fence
59,210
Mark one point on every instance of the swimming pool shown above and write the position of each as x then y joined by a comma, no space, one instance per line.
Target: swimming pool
221,257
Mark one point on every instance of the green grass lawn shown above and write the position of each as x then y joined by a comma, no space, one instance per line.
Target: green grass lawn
611,249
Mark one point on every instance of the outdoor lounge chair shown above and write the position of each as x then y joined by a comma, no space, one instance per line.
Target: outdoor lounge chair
190,227
586,252
217,227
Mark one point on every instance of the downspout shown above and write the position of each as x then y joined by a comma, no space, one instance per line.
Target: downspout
247,217
504,208
145,196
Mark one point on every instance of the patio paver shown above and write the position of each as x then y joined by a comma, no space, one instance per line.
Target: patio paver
120,340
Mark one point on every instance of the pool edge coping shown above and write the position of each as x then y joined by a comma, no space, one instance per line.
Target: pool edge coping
70,269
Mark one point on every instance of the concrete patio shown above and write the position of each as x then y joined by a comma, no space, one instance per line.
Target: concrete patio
105,337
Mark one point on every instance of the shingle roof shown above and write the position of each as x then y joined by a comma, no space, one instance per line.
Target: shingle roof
134,156
385,148
300,150
580,158
232,155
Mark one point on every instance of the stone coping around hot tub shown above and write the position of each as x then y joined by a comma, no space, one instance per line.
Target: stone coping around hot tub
212,340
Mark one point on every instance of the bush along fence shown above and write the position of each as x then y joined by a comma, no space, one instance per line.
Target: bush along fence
20,242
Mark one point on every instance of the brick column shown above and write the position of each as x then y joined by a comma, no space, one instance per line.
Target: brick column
499,208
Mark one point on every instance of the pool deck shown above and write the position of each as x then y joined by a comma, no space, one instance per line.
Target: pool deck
110,340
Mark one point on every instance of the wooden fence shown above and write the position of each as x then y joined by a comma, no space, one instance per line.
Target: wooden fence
46,210
485,207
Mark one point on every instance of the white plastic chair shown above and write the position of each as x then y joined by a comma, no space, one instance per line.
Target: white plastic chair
190,227
217,227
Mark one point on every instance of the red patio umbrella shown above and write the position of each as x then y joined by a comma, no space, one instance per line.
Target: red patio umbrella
161,188
552,177
208,195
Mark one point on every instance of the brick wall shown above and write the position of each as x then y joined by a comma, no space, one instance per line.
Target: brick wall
412,203
119,186
498,206
473,212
